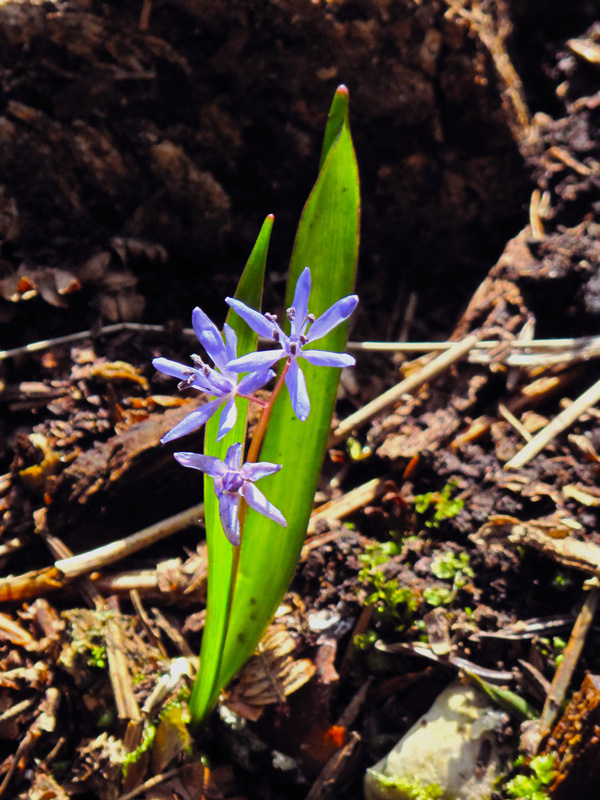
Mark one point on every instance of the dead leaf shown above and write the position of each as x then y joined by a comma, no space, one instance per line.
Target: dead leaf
586,49
550,535
586,495
171,740
35,476
118,371
44,787
533,422
270,675
585,446
49,282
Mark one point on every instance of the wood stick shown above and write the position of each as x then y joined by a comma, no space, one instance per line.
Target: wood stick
393,395
351,501
564,420
564,671
115,551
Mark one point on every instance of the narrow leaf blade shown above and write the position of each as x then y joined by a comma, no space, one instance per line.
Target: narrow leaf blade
338,114
220,551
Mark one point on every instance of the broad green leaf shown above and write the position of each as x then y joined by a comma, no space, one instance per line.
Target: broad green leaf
327,242
335,121
220,551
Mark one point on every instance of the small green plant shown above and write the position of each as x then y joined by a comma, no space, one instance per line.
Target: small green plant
98,657
533,786
443,505
551,649
365,641
452,566
438,596
356,450
390,600
448,566
134,756
405,788
563,581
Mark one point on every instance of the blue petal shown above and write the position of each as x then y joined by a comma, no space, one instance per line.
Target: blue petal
230,343
337,313
294,380
323,358
219,384
172,368
212,466
228,418
232,459
229,516
258,470
183,373
254,380
300,303
209,337
256,500
193,421
255,319
254,362
202,384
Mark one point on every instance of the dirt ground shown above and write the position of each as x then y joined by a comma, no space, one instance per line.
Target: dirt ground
142,144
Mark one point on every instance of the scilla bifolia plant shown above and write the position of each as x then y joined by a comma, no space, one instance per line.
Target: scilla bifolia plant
255,535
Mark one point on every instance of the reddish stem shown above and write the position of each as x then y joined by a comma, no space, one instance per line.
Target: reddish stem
253,451
261,428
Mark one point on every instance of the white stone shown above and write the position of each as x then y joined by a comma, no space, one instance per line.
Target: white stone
452,750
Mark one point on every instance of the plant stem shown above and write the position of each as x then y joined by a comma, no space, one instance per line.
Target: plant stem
253,451
261,428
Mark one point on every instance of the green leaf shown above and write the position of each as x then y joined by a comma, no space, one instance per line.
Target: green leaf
338,114
220,551
510,701
327,242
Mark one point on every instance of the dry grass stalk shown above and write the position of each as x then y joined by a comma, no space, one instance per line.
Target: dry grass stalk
493,35
115,551
571,653
564,420
343,506
120,677
393,395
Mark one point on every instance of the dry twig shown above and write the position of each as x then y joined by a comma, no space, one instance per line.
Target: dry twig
564,420
571,653
393,395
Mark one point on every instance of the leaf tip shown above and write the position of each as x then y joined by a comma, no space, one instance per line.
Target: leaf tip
271,217
342,89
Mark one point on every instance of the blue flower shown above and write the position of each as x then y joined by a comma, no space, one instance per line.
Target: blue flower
218,381
233,482
304,329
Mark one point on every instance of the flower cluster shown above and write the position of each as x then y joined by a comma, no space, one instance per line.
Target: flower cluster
304,330
233,481
221,381
218,381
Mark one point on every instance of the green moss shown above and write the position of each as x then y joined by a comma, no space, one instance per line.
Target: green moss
443,505
390,600
404,789
533,785
143,747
